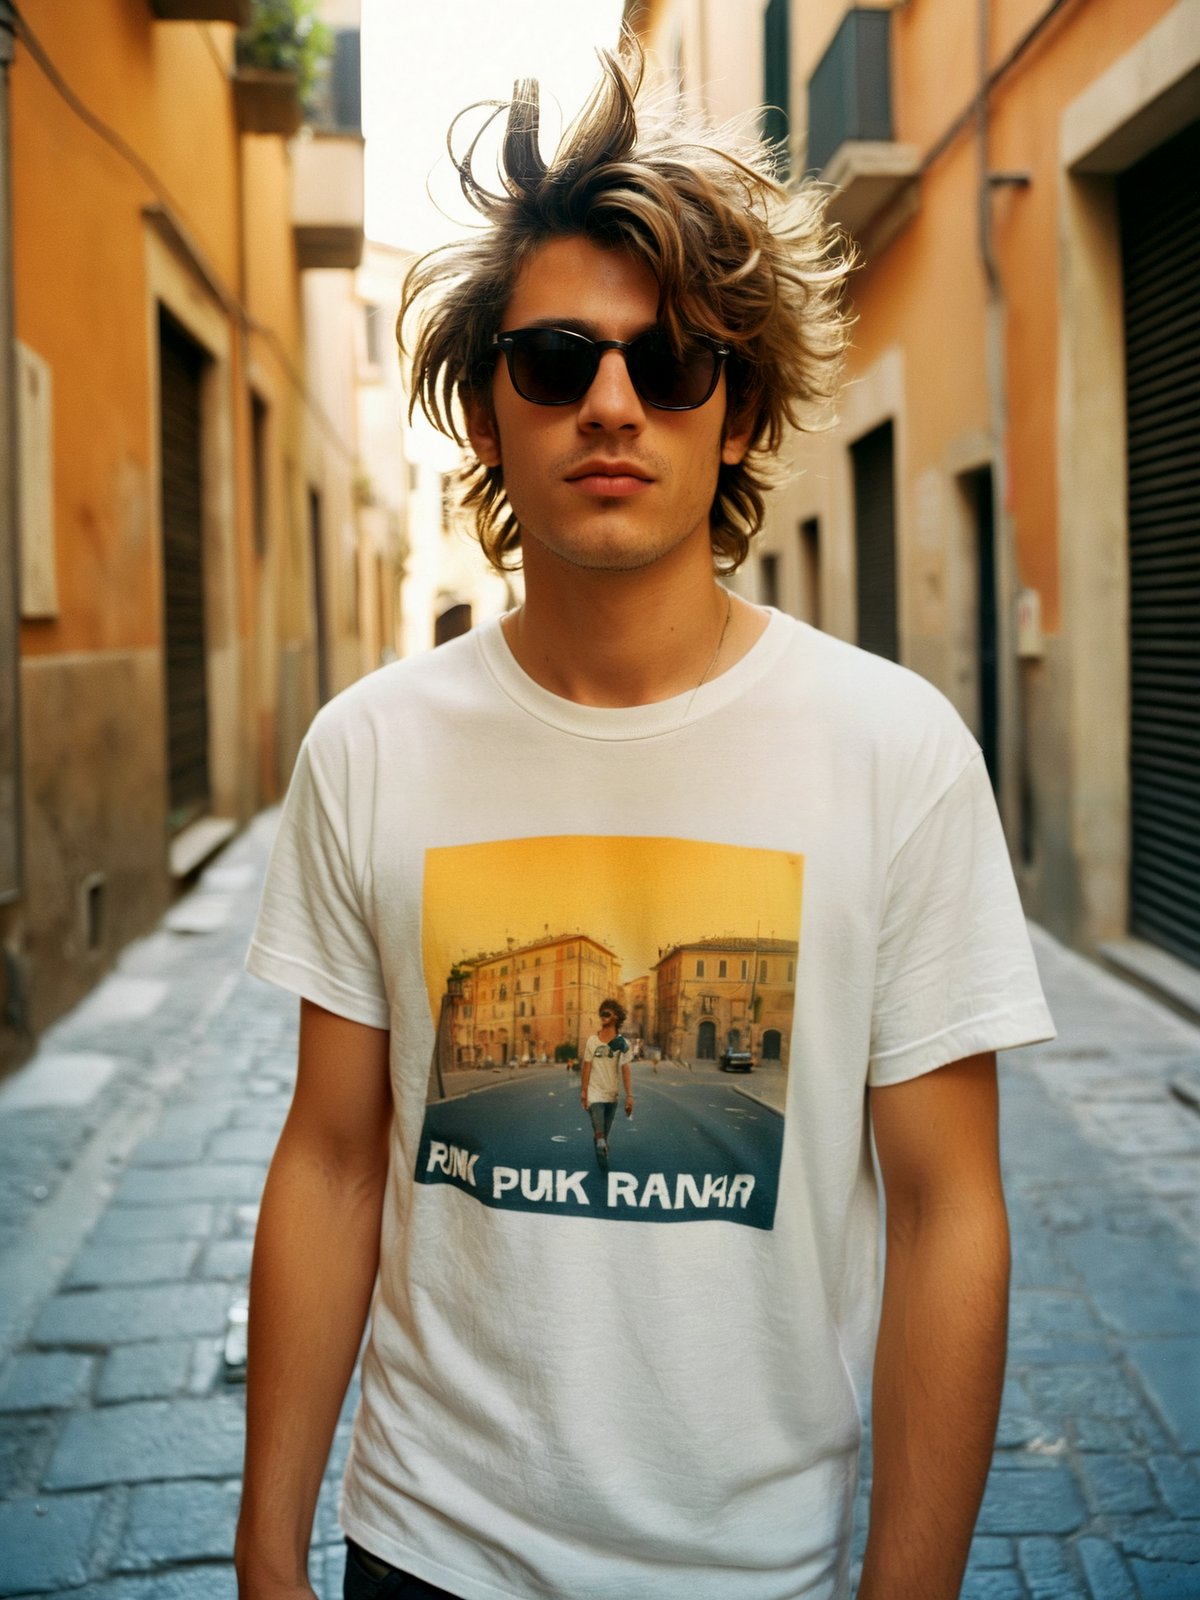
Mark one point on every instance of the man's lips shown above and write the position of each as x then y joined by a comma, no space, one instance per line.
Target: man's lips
609,478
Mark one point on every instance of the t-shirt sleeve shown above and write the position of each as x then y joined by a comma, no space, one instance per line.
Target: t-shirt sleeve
955,974
312,936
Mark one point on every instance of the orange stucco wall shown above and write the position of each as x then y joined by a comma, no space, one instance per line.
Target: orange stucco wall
161,90
926,292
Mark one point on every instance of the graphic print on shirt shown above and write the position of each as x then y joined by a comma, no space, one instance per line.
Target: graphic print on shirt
691,946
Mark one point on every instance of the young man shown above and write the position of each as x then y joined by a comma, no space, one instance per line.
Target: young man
606,1062
640,1383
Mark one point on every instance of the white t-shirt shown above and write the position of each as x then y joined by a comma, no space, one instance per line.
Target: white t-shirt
646,1390
604,1080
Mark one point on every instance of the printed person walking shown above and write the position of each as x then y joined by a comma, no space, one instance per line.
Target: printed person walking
606,1059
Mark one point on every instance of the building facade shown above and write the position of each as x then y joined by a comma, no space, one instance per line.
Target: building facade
1008,500
533,1000
726,994
189,562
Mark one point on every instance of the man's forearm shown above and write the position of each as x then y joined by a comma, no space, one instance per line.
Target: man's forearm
315,1258
939,1371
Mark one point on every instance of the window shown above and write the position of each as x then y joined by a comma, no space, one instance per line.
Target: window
373,317
721,969
504,971
537,984
521,1009
699,969
762,972
791,971
504,991
745,969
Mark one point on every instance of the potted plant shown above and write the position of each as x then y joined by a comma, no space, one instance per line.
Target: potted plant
279,61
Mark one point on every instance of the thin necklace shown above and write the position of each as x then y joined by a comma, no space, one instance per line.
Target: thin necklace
703,676
713,660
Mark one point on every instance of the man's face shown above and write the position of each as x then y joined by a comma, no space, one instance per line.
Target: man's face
609,482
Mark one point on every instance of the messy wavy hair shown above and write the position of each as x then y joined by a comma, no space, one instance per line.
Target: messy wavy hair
737,258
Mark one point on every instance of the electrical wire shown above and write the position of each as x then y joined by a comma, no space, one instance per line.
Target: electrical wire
230,302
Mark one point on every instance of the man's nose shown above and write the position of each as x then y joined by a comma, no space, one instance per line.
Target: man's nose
612,402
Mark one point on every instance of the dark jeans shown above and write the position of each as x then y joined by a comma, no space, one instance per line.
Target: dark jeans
369,1578
602,1113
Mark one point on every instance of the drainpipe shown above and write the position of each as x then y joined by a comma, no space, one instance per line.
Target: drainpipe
1014,779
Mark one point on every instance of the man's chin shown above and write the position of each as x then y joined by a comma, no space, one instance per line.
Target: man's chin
609,552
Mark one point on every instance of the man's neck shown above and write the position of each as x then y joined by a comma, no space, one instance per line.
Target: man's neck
605,638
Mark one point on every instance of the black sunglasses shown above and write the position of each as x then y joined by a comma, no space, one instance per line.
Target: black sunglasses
553,367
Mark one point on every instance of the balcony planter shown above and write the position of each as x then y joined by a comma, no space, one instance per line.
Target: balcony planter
235,11
267,100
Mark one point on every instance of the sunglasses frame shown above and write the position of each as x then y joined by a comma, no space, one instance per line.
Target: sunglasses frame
506,342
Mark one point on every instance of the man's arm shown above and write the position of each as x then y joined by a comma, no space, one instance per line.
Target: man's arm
939,1363
316,1254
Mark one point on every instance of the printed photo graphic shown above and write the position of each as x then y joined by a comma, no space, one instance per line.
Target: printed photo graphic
613,1025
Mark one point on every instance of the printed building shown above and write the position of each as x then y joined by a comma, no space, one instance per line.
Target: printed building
1008,502
639,999
726,994
529,1001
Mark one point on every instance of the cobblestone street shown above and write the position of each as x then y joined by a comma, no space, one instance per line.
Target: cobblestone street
134,1146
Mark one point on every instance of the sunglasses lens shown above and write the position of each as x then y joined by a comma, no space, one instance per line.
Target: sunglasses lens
551,368
671,381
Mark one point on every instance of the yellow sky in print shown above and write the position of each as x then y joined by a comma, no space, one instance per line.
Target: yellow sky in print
638,896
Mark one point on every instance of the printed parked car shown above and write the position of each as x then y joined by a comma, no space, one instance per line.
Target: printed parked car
737,1061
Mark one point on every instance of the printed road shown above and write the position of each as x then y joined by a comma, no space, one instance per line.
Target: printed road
693,1149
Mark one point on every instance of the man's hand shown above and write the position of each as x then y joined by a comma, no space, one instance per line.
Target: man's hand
628,1105
939,1364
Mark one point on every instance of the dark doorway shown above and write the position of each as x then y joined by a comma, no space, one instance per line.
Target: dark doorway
181,370
977,486
810,568
706,1042
451,623
771,1042
873,460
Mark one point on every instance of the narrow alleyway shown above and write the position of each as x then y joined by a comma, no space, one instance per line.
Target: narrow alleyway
133,1149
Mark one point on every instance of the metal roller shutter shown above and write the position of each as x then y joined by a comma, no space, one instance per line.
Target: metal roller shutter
1160,233
181,365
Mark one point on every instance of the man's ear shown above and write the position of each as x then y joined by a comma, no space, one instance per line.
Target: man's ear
736,439
482,430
